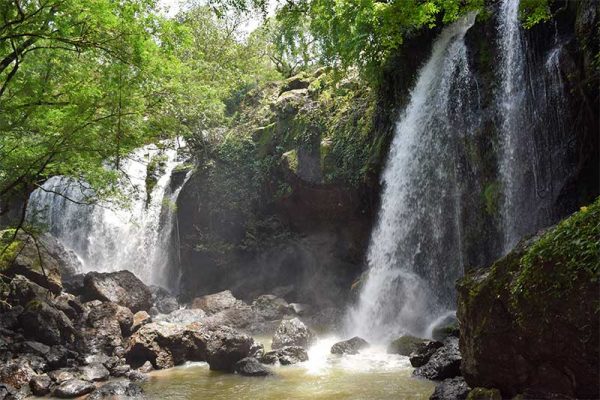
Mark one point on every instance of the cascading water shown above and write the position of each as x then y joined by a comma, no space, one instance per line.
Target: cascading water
415,252
112,238
536,155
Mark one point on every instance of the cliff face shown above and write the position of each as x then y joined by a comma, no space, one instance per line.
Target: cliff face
530,322
286,197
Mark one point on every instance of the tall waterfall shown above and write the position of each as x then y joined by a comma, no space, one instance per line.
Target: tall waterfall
536,155
109,237
415,252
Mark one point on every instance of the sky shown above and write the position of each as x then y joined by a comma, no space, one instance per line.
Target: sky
171,8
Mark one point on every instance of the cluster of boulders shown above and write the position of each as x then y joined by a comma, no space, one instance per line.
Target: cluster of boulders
68,335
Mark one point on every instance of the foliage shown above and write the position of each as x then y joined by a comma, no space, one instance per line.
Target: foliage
563,259
533,12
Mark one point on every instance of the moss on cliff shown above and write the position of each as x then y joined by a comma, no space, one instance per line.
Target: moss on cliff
531,320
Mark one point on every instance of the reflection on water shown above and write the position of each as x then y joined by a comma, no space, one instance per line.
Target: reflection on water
373,374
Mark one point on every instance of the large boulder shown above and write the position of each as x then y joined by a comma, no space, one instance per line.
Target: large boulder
94,372
443,364
285,356
405,345
163,300
121,287
292,332
214,303
166,344
451,389
73,388
106,325
40,385
531,321
250,366
423,353
43,322
16,373
350,346
270,307
225,346
118,390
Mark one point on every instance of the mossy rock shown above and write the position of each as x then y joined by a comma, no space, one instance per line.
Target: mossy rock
484,394
405,345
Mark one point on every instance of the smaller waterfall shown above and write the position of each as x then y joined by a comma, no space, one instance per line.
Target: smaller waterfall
536,155
108,237
415,254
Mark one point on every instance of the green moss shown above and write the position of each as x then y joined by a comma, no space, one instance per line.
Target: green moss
491,196
405,345
8,248
559,264
291,158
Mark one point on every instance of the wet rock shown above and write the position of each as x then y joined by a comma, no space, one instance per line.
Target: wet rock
59,356
42,322
405,345
118,390
214,303
62,375
37,363
285,356
443,364
40,385
350,346
424,352
165,345
36,348
140,319
105,326
74,284
8,392
120,370
121,287
250,366
162,299
137,376
16,373
451,389
70,305
73,388
270,307
447,327
226,346
292,332
299,308
146,368
95,372
479,393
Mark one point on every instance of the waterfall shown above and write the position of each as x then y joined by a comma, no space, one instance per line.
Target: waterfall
111,237
536,154
415,255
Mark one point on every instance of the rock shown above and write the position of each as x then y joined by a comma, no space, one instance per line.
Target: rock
443,364
37,348
58,356
166,345
529,322
94,372
120,370
44,323
213,303
73,388
74,284
7,392
121,287
162,299
16,373
136,376
70,305
447,327
62,375
183,316
270,307
146,368
40,385
292,332
34,262
37,363
140,319
451,389
423,353
405,345
299,308
118,390
285,356
288,103
250,366
226,346
294,83
105,327
350,346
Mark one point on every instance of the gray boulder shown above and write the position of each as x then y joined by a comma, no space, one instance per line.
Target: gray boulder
350,346
95,372
250,366
225,346
423,353
73,388
443,364
40,385
214,303
118,390
292,332
451,389
121,287
270,307
285,356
